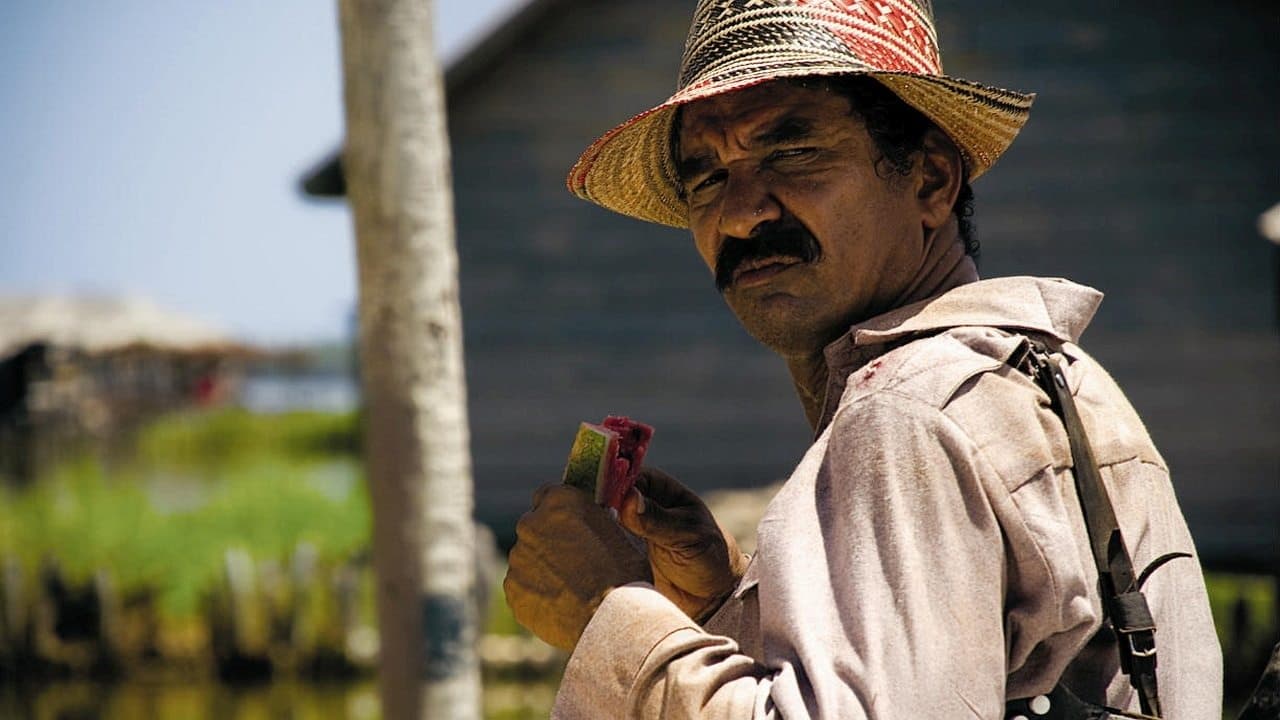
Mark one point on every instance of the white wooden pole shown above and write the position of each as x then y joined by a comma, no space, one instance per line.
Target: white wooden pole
396,164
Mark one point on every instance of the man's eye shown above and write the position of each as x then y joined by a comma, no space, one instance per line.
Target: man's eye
711,180
791,153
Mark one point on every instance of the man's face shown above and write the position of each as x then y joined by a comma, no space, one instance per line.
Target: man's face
784,196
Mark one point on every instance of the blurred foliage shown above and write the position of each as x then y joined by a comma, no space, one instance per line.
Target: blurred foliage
196,701
498,619
215,440
1250,599
280,480
278,699
1246,613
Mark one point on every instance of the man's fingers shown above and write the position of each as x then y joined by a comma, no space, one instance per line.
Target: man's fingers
649,519
668,505
665,489
561,512
555,498
530,606
633,504
541,493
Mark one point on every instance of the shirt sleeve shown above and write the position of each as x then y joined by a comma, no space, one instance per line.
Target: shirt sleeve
881,594
642,655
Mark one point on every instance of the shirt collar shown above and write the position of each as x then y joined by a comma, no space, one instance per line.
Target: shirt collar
1052,306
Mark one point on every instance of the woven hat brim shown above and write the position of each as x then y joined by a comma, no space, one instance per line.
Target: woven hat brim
630,169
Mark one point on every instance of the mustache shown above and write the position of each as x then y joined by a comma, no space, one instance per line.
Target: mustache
772,240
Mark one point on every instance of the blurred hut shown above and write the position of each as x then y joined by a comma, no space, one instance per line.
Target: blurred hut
84,370
1149,153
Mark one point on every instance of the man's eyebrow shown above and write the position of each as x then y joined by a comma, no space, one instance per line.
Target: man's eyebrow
692,166
788,129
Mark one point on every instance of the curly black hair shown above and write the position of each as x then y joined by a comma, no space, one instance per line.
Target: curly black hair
898,131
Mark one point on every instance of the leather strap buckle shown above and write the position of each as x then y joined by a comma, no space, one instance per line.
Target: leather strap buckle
1145,652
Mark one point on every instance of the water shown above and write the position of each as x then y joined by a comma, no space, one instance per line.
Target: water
213,701
282,393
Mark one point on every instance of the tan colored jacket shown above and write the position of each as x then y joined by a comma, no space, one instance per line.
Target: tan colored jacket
927,558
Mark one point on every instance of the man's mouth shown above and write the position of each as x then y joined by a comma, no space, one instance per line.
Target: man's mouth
767,252
760,271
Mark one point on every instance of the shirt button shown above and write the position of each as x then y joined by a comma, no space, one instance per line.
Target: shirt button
1040,705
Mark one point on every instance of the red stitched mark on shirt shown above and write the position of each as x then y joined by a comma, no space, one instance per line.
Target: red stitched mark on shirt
869,373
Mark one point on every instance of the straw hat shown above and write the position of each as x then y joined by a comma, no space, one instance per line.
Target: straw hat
734,44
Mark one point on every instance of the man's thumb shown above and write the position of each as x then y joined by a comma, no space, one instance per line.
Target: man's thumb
638,514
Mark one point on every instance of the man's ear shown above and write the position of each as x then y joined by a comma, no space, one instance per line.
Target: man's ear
941,175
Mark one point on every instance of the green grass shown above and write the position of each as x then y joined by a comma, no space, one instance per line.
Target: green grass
1251,599
1257,593
260,483
216,440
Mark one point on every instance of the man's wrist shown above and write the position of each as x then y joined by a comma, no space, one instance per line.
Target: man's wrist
713,606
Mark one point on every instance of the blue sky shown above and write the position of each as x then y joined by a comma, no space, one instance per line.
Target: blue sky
153,149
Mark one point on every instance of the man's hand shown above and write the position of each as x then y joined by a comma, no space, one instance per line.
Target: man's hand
695,563
569,552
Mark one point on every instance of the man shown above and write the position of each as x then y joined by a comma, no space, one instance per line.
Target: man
928,557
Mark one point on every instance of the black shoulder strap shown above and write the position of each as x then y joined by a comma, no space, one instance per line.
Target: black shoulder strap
1120,587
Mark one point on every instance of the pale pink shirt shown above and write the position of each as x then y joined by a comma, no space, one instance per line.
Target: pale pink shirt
927,558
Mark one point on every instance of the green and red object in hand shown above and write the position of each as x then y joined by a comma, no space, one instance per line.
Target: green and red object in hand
606,459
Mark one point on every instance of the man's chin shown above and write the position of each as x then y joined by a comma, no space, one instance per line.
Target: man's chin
779,324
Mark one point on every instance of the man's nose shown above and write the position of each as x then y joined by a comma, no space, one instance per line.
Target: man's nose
748,204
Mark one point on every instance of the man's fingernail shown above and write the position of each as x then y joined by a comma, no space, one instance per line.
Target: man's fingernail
639,503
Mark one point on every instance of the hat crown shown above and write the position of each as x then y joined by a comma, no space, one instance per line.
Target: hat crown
731,39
